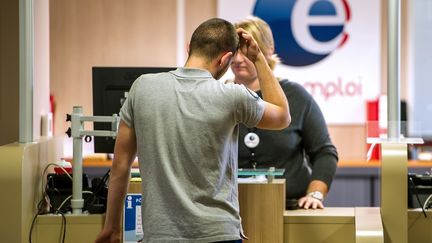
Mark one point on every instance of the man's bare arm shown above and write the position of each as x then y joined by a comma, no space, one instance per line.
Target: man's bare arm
276,113
124,155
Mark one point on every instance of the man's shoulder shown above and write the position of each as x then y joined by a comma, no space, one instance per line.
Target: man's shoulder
151,77
239,89
154,75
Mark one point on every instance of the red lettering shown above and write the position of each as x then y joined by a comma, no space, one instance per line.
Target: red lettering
351,89
312,88
334,88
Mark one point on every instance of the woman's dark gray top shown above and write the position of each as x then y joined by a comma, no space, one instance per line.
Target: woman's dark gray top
304,149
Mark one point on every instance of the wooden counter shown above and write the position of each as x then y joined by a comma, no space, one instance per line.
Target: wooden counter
368,225
261,208
333,225
330,225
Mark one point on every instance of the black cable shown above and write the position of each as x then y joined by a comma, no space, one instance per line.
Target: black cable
106,176
102,184
31,228
45,202
34,219
416,194
92,199
40,210
58,209
427,202
63,226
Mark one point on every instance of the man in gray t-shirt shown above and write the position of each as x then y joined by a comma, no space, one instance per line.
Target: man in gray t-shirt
182,125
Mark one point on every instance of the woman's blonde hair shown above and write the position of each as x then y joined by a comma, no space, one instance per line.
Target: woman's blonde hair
263,35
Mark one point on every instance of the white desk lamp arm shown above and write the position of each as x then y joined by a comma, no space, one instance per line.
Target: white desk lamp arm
77,132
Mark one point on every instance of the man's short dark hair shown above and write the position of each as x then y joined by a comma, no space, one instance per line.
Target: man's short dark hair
213,37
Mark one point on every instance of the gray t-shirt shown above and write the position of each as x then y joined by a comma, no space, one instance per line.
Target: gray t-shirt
186,129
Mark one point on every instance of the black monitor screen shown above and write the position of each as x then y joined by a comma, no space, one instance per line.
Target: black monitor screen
109,87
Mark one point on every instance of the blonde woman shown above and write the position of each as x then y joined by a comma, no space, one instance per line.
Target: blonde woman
304,149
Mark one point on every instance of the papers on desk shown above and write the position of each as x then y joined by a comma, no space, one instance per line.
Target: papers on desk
253,179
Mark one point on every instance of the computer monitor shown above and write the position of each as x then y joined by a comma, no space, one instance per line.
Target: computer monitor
109,87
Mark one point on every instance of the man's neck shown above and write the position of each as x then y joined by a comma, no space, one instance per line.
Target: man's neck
199,63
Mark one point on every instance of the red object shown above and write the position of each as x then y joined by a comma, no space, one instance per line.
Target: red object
373,130
65,165
59,171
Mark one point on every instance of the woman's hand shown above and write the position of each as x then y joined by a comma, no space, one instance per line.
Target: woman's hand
307,202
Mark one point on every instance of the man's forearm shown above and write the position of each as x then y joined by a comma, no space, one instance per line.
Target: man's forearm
270,88
118,185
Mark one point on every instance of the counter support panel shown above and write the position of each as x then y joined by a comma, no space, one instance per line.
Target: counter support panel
394,192
262,208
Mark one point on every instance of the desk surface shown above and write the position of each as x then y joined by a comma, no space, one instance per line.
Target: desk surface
101,160
366,221
377,163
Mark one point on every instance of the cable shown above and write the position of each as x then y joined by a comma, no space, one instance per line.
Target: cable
416,194
426,202
39,212
44,204
64,224
58,210
64,227
98,188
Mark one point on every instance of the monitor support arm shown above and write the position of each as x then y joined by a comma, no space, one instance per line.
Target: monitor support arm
77,132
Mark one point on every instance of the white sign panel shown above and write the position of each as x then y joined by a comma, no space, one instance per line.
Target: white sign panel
331,47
